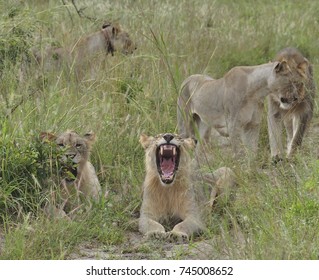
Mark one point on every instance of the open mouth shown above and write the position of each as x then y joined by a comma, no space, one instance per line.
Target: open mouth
69,173
167,160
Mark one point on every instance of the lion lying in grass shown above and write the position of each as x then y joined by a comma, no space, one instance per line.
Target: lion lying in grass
169,191
233,105
291,107
110,39
77,177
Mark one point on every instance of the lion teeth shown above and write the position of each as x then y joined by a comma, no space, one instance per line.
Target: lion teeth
162,150
174,151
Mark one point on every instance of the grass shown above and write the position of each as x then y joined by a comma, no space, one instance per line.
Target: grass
276,207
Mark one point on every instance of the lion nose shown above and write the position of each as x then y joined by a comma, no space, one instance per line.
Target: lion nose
168,137
283,100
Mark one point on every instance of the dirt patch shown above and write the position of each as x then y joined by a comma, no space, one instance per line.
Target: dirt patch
136,248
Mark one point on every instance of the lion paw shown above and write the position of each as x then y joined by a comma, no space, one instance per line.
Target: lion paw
178,236
156,235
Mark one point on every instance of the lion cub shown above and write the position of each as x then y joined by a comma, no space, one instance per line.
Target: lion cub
168,189
78,178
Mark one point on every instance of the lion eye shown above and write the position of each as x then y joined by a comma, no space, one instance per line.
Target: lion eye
78,145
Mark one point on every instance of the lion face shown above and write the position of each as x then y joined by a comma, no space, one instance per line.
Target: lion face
124,44
76,151
120,39
76,147
166,154
292,76
291,95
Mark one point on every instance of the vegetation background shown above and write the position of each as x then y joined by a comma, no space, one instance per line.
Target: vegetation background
277,207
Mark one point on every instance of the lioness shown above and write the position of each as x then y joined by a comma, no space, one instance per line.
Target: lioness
291,105
78,178
169,194
109,39
233,104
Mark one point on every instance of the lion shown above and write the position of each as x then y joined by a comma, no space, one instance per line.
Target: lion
169,192
78,178
233,105
110,39
291,106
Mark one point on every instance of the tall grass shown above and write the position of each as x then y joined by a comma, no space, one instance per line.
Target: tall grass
275,207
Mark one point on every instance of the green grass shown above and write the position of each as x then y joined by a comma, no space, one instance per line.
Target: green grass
276,207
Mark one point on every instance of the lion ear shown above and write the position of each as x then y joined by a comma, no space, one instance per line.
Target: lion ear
106,25
115,30
90,137
47,136
190,143
281,67
146,140
302,68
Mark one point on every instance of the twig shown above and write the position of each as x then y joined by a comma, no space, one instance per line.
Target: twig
64,4
80,12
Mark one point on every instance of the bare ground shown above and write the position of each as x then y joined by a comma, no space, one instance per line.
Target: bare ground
136,248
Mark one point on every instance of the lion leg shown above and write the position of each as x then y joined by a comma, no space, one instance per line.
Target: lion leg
88,187
151,228
204,130
290,131
189,226
250,137
295,137
275,131
234,135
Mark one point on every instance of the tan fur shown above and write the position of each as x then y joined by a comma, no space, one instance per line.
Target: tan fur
223,181
233,104
176,201
291,106
109,39
85,183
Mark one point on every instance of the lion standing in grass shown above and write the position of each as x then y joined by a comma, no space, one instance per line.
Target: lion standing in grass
233,105
291,106
78,179
169,192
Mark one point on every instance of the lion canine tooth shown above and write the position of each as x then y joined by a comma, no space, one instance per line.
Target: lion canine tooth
161,150
174,151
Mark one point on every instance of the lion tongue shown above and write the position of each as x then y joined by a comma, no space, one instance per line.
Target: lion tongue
167,166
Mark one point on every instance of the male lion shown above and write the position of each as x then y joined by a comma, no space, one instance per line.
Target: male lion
109,39
291,105
169,194
78,179
233,104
